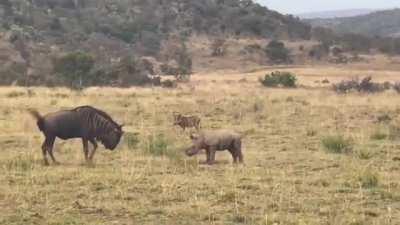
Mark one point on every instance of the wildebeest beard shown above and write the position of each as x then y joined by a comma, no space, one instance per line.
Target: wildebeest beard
110,140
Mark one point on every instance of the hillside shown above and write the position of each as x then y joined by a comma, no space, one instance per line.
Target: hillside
35,32
335,14
382,23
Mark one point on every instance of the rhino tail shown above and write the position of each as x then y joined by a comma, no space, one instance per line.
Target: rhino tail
39,118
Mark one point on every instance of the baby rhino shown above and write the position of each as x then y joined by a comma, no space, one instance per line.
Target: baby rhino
217,140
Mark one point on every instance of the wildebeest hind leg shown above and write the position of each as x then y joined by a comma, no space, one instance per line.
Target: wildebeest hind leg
49,145
94,143
44,152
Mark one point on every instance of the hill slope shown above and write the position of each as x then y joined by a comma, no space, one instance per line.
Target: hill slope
35,31
335,14
128,19
382,23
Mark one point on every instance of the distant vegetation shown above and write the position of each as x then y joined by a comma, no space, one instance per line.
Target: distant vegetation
382,23
352,42
114,31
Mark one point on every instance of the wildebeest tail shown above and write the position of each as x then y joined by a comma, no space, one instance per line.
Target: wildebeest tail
38,117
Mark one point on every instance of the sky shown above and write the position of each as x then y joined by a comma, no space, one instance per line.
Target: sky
305,6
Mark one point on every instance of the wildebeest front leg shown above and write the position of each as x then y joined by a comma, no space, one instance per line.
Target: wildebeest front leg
49,146
94,143
85,148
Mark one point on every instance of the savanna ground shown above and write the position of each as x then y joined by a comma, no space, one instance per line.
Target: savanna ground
289,177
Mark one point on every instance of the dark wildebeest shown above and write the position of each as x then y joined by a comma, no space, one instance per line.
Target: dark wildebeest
185,121
84,122
217,140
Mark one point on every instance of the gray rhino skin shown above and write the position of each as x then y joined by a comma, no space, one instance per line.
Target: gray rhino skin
217,140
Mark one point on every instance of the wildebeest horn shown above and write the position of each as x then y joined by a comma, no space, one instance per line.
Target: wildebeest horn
121,126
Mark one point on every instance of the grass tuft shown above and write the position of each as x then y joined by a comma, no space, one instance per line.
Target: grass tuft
368,179
365,154
159,145
379,135
131,140
337,144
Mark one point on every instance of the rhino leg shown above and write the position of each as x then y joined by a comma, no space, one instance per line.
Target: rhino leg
211,154
234,155
238,150
208,156
94,143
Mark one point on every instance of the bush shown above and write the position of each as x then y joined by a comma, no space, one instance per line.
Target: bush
277,79
218,48
396,87
337,144
277,52
365,85
169,83
74,68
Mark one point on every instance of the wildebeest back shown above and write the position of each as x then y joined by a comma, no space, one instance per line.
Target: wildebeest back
64,124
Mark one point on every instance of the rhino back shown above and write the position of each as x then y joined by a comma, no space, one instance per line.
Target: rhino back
219,138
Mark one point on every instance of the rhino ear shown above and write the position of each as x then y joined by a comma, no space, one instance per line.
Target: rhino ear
193,136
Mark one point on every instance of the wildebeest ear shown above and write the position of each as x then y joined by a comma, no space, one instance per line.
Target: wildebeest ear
121,126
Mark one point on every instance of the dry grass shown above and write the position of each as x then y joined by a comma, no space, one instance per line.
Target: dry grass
288,177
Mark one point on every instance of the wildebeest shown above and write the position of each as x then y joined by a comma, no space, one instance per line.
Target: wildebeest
84,122
217,140
186,121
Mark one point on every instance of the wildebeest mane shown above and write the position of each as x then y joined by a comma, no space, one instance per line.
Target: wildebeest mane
101,113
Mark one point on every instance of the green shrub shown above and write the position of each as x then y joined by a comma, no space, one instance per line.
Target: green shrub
336,144
279,79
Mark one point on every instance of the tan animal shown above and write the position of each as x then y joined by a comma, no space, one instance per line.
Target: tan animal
186,121
217,140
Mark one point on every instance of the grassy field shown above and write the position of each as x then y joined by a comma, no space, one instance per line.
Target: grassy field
311,156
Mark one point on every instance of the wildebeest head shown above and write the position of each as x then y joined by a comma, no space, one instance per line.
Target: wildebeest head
177,118
112,138
197,145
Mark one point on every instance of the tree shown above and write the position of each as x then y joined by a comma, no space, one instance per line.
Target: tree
75,68
277,52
